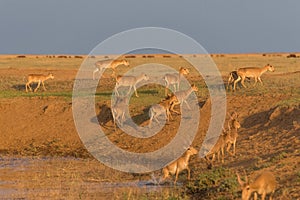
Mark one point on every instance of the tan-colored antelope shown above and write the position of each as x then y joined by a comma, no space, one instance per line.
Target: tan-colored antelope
118,110
227,137
233,126
179,165
264,184
163,108
180,97
218,149
101,65
250,72
174,79
130,81
37,78
233,76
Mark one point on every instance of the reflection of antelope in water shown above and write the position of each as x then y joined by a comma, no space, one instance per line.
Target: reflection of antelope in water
174,79
37,78
129,81
250,72
101,65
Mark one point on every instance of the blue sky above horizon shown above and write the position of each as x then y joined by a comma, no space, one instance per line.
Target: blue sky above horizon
76,27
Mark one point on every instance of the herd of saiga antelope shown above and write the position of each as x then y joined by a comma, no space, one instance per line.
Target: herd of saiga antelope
264,184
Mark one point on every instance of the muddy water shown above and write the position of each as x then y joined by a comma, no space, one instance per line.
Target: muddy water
69,178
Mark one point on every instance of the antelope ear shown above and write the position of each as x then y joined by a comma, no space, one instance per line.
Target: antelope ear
246,177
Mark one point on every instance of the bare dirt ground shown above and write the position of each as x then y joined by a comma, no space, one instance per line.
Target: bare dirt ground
39,141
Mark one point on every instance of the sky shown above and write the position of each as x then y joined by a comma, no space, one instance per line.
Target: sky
77,26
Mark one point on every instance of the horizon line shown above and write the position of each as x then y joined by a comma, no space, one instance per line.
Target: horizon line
165,53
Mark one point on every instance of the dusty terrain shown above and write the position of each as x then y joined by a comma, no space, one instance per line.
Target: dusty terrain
39,141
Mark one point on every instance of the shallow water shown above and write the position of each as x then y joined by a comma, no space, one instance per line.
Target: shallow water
69,178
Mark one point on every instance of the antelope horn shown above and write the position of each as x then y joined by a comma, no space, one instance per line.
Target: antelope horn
246,178
229,126
239,179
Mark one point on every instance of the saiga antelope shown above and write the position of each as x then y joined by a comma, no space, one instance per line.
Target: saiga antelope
163,108
174,79
101,65
129,81
37,78
233,126
180,97
264,184
218,148
118,110
180,164
250,72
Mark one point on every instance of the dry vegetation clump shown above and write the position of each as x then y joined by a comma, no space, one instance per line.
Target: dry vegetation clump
291,56
62,56
130,56
81,57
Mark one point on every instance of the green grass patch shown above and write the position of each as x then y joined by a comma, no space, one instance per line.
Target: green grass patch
14,94
215,182
291,102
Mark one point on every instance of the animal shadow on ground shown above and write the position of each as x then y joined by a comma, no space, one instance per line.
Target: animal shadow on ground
247,162
141,118
21,87
242,162
279,118
150,92
104,116
257,120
